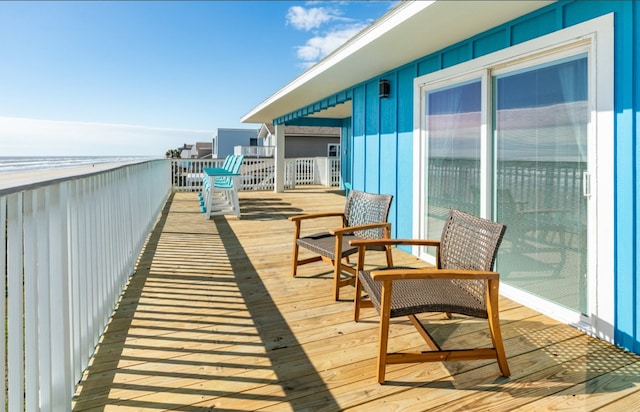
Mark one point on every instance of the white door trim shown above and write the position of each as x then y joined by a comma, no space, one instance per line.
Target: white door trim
598,33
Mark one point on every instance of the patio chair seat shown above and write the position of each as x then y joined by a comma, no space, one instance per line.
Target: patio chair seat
462,282
325,243
425,295
364,217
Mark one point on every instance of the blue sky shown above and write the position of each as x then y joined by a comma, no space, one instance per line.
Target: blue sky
138,78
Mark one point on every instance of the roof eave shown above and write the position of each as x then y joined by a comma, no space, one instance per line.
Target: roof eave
375,50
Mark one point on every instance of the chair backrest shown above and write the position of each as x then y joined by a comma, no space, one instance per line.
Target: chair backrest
227,162
233,166
363,208
469,242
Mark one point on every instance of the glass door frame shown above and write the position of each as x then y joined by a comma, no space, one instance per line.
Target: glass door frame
547,61
596,37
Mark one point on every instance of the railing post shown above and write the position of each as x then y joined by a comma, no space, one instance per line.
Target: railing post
31,305
3,297
15,320
279,159
62,383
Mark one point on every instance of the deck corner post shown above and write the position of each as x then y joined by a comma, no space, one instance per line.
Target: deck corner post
278,157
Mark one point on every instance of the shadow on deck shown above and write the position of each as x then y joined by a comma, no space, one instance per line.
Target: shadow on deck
211,319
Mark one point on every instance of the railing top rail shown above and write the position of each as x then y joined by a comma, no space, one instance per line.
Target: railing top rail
15,182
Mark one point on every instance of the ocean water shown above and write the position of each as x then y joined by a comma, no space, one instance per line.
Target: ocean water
25,163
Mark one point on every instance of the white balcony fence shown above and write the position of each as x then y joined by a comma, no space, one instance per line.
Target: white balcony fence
254,151
259,174
68,248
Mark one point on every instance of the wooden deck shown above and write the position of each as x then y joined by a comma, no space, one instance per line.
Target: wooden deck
212,320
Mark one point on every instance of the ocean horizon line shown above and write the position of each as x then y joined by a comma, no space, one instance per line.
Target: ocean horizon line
12,164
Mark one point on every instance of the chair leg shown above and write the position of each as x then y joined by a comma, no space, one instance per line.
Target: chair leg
294,254
337,267
494,326
426,336
356,300
337,274
389,256
383,334
234,194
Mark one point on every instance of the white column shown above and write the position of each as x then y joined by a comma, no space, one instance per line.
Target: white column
278,157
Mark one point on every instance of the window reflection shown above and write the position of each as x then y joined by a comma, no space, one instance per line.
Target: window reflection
541,119
453,121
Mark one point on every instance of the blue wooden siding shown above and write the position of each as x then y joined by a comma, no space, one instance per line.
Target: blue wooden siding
382,149
372,138
491,42
403,223
358,167
388,142
626,239
634,133
535,26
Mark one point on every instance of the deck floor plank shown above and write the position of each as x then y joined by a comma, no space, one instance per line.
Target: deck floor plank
212,319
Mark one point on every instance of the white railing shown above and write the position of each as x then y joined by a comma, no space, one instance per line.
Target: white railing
186,174
67,249
258,174
305,170
329,171
254,151
334,171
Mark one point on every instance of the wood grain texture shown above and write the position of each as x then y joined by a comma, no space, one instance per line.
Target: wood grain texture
212,319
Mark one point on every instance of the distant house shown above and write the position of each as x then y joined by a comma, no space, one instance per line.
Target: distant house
185,151
226,139
200,150
304,141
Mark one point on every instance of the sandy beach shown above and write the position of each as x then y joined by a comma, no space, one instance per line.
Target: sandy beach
34,178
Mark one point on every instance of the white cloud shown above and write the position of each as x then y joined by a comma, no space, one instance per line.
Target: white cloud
34,137
319,46
330,29
312,18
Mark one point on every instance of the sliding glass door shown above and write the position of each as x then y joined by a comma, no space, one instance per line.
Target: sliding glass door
541,116
512,144
525,136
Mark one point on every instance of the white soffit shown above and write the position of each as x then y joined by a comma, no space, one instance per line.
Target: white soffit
408,32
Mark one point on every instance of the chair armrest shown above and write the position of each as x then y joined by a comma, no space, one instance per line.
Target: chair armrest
315,216
360,227
404,274
394,242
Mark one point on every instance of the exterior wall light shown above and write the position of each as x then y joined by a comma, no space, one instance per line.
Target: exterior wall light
384,88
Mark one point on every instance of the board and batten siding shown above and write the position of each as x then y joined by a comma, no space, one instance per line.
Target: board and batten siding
381,155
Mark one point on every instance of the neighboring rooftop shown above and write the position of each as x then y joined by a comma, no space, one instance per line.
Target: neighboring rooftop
301,131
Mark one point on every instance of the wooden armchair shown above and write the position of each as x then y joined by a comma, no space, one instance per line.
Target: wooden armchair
364,217
462,282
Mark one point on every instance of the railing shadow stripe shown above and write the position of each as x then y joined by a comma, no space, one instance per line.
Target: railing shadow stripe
251,285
